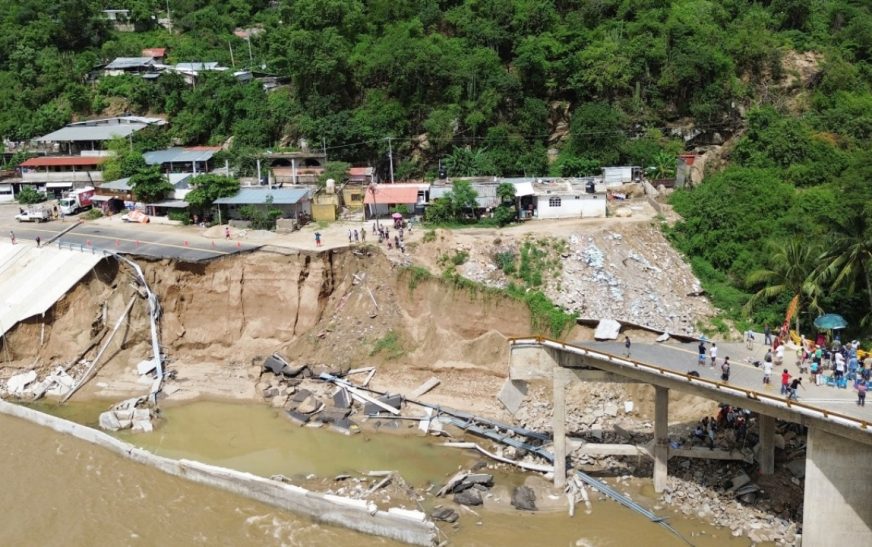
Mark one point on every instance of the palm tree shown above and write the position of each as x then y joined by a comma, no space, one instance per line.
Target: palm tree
848,260
791,271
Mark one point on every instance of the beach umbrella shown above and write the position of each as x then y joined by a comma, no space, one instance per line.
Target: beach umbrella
396,216
830,321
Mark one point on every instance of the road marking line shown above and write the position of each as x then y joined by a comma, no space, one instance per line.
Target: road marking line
210,251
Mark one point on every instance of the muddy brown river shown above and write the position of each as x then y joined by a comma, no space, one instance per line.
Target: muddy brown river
57,490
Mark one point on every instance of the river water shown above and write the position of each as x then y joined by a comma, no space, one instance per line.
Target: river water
59,490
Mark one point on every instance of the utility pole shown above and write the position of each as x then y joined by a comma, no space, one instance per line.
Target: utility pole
391,158
324,148
232,60
169,17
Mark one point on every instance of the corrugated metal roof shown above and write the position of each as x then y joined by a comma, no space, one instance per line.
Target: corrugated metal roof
196,67
120,185
73,133
487,194
177,155
360,171
63,161
391,193
122,63
258,196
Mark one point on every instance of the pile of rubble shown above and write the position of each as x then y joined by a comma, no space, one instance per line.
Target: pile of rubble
628,272
133,414
318,395
26,385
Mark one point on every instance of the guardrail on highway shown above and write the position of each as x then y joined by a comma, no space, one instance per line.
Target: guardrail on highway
796,406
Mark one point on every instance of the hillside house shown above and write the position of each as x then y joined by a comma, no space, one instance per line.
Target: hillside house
567,198
381,199
55,175
131,65
293,202
196,160
119,19
302,167
90,137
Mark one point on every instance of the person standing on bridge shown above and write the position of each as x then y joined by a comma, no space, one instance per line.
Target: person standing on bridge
701,360
767,373
713,353
12,236
627,345
767,335
725,370
38,242
785,382
861,392
794,385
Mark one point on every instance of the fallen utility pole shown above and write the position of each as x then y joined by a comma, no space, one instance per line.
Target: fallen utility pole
92,369
153,315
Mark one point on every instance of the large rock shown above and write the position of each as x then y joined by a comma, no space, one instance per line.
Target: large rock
444,514
468,497
607,329
524,498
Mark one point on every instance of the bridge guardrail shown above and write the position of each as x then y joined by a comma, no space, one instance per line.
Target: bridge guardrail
796,406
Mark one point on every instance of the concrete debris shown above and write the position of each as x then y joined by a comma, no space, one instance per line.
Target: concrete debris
128,414
341,399
663,337
392,401
607,329
797,467
297,417
17,384
512,395
425,387
146,366
524,498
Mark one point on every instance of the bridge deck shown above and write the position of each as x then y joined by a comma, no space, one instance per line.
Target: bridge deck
683,358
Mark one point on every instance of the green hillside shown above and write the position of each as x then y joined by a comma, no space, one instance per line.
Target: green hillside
495,86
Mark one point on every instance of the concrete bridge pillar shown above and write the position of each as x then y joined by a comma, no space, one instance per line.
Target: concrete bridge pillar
838,487
767,444
661,437
558,424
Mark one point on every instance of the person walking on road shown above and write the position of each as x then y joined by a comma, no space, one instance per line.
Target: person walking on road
861,392
749,338
767,335
227,232
713,353
725,370
38,242
12,236
317,239
701,349
627,345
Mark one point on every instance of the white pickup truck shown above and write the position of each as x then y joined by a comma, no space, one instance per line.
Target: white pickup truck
33,215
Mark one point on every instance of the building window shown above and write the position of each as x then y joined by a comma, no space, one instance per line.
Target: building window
553,202
356,197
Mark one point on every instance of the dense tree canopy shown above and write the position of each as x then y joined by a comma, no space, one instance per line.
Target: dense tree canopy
508,87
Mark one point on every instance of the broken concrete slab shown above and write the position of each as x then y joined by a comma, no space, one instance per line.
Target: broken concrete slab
144,367
512,395
739,481
663,337
341,399
393,401
297,417
345,426
607,329
142,426
301,395
425,387
16,385
333,414
109,421
274,364
483,479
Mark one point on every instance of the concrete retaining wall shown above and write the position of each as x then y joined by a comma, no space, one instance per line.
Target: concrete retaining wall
398,524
